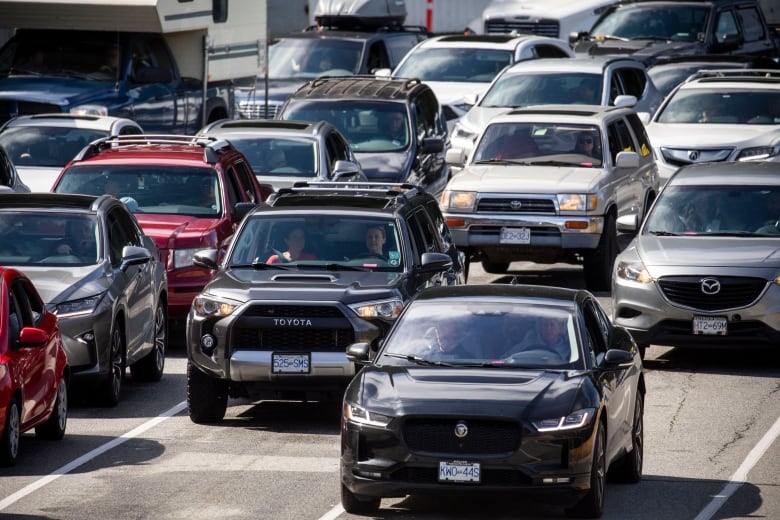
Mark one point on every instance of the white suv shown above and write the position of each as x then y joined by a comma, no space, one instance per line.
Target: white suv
547,184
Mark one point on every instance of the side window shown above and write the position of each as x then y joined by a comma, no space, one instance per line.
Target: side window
130,130
424,232
528,53
615,88
142,56
633,81
336,149
442,230
117,238
398,46
243,173
15,321
641,135
233,187
377,57
427,108
752,26
32,301
619,138
130,229
161,57
550,51
727,25
598,329
6,170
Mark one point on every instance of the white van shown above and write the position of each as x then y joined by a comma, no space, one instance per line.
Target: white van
553,18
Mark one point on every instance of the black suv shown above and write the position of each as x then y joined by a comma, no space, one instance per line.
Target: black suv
315,268
396,126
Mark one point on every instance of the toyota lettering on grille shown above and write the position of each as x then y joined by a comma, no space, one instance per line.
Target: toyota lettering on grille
292,322
461,429
710,286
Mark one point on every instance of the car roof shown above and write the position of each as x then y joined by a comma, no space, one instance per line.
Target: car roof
728,173
481,41
58,201
179,148
343,195
733,78
590,113
277,127
361,87
356,35
106,123
563,296
580,63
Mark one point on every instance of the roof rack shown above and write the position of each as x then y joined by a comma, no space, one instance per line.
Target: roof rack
212,147
753,74
404,191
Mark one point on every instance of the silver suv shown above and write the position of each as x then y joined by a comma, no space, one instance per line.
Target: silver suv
547,183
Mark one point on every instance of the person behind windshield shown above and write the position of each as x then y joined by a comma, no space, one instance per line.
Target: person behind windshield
548,334
376,237
396,128
772,223
452,341
81,241
296,243
587,145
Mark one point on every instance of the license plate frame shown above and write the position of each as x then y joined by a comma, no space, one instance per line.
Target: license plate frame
460,471
515,235
290,363
709,326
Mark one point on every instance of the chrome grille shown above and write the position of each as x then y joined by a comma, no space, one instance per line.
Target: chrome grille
516,205
484,437
248,110
549,28
735,292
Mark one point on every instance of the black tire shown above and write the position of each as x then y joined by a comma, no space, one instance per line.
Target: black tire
592,504
358,505
599,263
110,388
54,427
629,468
494,267
151,366
9,442
206,396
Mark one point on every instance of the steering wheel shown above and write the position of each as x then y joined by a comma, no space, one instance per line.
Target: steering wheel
537,355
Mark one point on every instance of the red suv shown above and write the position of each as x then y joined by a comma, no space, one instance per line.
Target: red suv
185,192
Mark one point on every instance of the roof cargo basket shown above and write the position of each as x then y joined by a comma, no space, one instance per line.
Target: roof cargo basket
356,14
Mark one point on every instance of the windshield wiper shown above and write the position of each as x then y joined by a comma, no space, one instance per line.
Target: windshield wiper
608,37
418,360
263,265
664,233
562,163
502,161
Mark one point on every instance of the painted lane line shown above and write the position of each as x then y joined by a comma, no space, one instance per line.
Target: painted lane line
740,476
333,514
67,468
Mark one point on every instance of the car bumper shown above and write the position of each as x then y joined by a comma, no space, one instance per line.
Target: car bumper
87,341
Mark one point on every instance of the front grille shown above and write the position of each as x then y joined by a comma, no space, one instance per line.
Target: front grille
10,108
735,292
484,437
539,27
518,205
293,311
257,110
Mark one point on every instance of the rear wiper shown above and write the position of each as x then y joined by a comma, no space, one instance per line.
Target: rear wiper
418,360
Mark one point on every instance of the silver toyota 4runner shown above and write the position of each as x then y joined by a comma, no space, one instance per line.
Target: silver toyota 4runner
547,183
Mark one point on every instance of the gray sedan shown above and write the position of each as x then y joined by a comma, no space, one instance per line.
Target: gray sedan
704,269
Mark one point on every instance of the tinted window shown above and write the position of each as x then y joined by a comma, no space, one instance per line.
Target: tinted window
752,25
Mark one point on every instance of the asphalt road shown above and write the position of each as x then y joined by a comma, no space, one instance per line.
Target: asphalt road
712,421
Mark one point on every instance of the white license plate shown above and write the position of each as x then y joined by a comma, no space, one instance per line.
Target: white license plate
715,325
459,472
291,363
511,235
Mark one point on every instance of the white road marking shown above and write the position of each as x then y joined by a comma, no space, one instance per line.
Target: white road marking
333,514
67,468
740,476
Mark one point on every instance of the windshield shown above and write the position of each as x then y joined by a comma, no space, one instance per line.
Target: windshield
453,64
668,22
578,145
278,156
525,89
46,146
370,126
737,106
716,210
496,334
333,242
301,58
145,188
41,238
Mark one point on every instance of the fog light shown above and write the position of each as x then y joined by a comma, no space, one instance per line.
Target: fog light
556,480
88,337
208,343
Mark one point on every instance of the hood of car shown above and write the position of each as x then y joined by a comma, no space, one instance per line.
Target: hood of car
308,284
642,48
394,390
385,166
452,92
697,136
659,252
60,91
60,284
521,179
478,116
38,178
166,229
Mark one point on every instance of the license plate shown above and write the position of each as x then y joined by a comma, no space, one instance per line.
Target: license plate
291,363
459,472
714,325
515,235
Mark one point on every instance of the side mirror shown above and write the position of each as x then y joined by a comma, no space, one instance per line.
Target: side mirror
574,36
627,160
729,42
617,358
434,262
383,73
432,145
644,117
471,99
32,337
624,100
628,223
455,156
134,255
344,169
358,353
206,258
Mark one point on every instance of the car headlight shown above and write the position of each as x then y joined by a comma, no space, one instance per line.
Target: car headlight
572,421
384,309
759,153
183,257
577,202
458,200
633,272
77,307
461,132
90,110
358,414
207,306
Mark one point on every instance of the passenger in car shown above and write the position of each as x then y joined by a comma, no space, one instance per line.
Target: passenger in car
296,242
548,334
772,222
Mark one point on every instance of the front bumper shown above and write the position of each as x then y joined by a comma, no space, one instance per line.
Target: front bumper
88,358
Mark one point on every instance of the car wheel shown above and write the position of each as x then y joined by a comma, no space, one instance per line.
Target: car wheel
358,505
9,443
206,396
629,467
495,267
54,427
598,264
151,366
111,386
592,504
